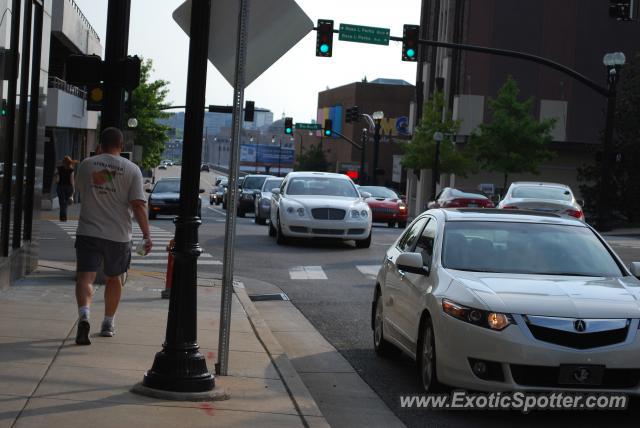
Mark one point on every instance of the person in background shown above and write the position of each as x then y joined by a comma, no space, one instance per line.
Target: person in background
65,179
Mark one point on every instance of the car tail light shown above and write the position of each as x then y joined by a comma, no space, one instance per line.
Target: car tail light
509,207
451,204
488,204
575,213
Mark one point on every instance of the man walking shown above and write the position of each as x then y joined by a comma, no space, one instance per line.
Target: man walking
111,191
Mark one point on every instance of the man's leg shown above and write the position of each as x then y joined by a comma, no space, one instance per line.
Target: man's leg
117,260
112,294
87,262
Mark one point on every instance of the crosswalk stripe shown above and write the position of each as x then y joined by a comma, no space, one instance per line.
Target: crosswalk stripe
164,255
370,271
143,261
307,272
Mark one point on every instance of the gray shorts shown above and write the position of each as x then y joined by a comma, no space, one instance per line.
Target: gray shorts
91,252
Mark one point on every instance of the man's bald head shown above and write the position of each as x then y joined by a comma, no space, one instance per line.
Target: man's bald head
111,139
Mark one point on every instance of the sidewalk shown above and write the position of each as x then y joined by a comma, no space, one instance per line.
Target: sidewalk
48,381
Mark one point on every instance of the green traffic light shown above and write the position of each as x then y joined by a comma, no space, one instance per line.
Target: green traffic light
288,130
411,53
324,48
327,132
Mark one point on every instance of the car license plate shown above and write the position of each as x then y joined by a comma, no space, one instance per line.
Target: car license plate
570,374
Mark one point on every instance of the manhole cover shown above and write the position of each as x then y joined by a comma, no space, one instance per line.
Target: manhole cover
265,297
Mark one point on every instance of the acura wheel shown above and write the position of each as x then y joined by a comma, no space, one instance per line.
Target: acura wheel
427,358
380,345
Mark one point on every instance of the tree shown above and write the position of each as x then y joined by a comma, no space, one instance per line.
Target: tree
147,100
513,141
419,153
624,194
313,159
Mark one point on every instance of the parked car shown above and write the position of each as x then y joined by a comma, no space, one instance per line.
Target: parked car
204,167
499,300
262,204
386,206
457,198
226,192
217,191
164,198
544,197
251,187
162,166
320,205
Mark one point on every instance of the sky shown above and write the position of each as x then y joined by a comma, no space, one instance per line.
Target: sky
291,85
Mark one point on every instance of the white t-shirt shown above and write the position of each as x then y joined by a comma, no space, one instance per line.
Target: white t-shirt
107,184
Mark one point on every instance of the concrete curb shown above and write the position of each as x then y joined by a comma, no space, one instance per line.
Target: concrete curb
302,399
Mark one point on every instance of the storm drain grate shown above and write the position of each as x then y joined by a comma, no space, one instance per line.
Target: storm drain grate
267,297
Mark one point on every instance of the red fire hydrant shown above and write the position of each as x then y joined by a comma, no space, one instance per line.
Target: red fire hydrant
166,293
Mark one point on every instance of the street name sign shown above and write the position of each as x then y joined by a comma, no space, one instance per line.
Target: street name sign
275,26
362,34
310,126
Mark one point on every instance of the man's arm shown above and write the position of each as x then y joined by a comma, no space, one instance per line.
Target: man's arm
139,208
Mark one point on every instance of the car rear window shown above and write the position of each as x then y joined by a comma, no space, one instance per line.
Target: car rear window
168,186
526,248
542,192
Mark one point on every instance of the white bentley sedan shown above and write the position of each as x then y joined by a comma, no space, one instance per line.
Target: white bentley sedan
319,205
492,300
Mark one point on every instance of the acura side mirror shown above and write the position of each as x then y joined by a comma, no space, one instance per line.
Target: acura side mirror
412,262
634,268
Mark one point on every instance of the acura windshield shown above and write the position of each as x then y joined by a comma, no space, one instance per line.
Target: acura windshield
527,248
322,186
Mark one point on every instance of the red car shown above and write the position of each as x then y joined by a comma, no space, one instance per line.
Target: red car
456,198
386,206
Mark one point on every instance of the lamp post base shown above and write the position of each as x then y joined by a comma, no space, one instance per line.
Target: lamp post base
179,370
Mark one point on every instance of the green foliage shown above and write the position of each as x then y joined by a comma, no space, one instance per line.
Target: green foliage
624,194
147,100
312,159
513,141
419,153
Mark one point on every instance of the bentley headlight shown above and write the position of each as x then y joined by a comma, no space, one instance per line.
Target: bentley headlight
300,211
355,214
364,213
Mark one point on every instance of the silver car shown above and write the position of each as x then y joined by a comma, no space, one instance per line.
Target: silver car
263,199
544,197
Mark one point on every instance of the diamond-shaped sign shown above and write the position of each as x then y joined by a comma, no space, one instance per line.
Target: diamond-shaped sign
275,26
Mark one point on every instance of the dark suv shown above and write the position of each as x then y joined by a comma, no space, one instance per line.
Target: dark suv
247,193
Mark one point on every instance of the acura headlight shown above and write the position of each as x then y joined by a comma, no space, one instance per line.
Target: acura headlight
479,317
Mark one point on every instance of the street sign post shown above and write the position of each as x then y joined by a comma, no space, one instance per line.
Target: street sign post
309,126
362,34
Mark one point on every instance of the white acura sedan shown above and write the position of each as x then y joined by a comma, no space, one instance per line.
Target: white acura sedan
496,300
319,205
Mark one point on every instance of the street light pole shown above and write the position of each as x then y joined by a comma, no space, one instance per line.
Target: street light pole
279,157
364,141
180,366
613,63
377,118
435,172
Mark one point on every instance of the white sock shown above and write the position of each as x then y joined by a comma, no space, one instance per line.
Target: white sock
83,312
108,320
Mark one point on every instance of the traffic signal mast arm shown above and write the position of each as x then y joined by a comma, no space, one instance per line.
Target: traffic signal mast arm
515,54
353,143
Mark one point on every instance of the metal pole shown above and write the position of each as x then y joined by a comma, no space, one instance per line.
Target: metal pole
9,137
115,51
607,155
376,148
279,156
22,124
435,171
422,59
230,225
34,106
180,366
365,140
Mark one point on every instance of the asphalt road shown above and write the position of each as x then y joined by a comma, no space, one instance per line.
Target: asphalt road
339,307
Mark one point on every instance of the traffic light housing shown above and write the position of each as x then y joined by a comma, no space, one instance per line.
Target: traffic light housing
328,128
95,95
352,114
288,125
249,110
410,36
3,108
324,38
620,9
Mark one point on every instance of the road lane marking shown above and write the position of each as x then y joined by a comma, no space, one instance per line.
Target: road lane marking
370,271
307,272
216,210
145,261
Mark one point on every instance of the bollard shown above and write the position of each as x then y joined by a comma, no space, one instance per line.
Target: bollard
166,293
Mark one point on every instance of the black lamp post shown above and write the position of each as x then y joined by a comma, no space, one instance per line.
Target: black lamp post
377,118
435,171
613,62
180,367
